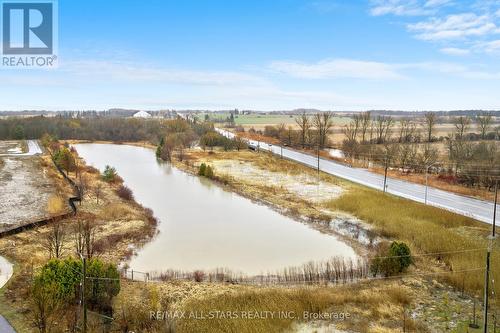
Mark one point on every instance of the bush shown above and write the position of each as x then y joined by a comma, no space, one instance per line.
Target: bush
109,174
209,172
125,193
203,168
198,276
62,278
392,259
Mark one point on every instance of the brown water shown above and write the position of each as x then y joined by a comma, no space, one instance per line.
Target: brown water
203,226
6,270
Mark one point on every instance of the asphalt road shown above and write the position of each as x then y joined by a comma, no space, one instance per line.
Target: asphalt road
33,149
475,208
5,326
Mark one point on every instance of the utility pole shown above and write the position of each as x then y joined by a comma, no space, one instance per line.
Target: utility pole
318,159
83,293
487,273
385,174
426,180
426,183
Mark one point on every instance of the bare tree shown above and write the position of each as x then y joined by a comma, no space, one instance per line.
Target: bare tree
427,156
383,128
430,119
78,237
83,185
366,120
406,154
462,124
304,123
56,240
484,124
323,121
97,192
407,130
84,235
351,130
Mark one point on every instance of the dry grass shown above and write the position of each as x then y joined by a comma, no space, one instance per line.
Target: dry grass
370,307
55,205
427,229
365,307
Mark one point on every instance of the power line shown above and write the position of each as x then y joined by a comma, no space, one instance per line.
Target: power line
430,254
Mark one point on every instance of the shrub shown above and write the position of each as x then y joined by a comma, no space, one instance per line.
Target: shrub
109,174
63,277
392,259
198,276
64,159
202,170
125,193
209,172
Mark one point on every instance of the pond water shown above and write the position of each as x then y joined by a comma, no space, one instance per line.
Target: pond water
5,271
202,226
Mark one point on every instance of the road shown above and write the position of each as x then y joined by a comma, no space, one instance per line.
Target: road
5,274
33,149
478,209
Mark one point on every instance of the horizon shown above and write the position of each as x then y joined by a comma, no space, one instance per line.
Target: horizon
427,55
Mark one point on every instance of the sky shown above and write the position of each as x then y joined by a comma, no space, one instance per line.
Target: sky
267,55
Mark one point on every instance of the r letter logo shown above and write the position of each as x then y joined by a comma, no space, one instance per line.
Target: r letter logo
29,31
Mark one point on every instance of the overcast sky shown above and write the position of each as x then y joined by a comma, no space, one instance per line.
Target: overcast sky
268,55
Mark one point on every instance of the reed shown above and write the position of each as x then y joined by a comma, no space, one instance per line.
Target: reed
427,230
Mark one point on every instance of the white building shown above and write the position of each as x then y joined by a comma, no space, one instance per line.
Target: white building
142,114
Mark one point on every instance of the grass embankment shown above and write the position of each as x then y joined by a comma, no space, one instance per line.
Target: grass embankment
367,307
364,308
428,230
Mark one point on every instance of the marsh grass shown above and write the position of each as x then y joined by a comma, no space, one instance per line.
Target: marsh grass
428,230
367,304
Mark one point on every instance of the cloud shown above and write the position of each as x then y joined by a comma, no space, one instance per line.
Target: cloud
398,7
436,3
130,72
335,68
406,7
356,69
454,27
455,51
452,69
492,47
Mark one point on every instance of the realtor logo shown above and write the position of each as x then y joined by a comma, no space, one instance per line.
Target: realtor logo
28,33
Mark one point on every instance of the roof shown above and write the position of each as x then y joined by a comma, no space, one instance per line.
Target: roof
142,114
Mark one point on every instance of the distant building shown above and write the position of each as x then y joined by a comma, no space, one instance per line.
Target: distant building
142,114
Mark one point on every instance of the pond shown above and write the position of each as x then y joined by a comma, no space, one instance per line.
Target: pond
203,226
5,271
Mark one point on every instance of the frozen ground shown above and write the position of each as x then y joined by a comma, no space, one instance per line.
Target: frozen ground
25,188
303,185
